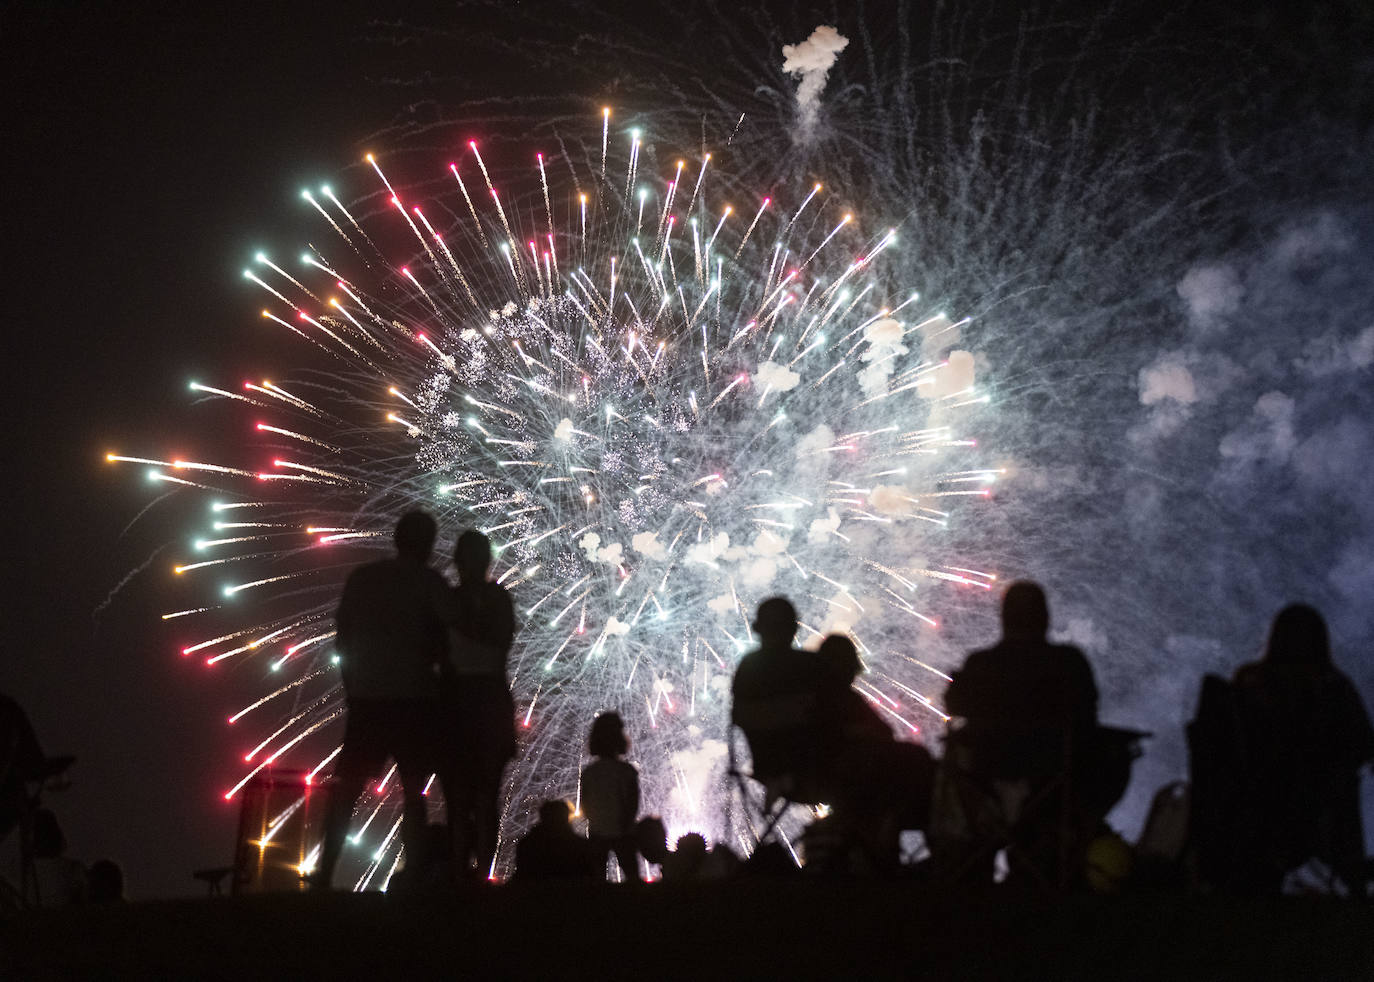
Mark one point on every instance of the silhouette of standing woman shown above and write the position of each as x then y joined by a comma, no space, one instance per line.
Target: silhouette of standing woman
481,711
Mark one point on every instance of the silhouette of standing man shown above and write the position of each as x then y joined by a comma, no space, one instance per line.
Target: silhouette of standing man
390,641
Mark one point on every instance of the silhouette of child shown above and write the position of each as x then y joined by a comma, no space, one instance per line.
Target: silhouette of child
61,880
685,862
651,836
610,792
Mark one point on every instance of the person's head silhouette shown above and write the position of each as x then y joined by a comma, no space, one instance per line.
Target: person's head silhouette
1298,637
651,836
691,847
472,556
776,622
555,814
841,658
608,738
415,534
1025,612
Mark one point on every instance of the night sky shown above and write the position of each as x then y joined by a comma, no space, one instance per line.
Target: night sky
149,152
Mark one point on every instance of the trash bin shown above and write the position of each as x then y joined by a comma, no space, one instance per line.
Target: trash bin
281,828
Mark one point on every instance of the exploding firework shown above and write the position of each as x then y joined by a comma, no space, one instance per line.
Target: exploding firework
662,407
1151,267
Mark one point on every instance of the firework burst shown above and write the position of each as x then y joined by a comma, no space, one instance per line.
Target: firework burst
662,407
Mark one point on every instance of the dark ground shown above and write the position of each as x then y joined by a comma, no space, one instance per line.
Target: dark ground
755,929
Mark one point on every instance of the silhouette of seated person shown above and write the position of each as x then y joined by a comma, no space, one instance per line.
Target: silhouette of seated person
60,881
21,762
686,862
391,640
651,839
1025,714
105,882
877,784
1017,697
551,850
480,709
1278,783
776,696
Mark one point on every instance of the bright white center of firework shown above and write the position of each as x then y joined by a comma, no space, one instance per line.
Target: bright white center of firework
663,478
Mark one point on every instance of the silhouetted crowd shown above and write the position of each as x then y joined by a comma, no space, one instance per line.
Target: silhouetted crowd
1020,792
48,876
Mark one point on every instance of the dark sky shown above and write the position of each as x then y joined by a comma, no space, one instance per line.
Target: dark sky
149,151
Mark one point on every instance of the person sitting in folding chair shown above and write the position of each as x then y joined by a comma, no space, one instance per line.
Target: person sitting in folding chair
1025,768
21,761
1275,758
877,786
776,696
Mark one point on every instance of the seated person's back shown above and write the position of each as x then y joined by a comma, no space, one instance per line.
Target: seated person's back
1025,683
552,850
776,694
1021,697
1306,734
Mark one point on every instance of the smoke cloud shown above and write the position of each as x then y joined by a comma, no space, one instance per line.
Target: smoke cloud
811,61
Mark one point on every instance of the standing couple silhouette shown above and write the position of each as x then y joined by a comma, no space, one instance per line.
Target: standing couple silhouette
424,676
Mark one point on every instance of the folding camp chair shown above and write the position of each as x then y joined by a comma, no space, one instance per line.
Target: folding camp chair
1041,820
783,766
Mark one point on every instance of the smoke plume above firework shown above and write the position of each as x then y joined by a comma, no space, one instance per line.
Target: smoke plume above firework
810,61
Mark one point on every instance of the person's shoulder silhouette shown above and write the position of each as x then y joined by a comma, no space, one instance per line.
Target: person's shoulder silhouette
484,617
775,668
1310,710
390,625
552,850
21,760
1024,677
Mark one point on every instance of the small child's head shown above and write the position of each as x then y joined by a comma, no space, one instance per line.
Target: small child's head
651,836
691,847
556,812
608,737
